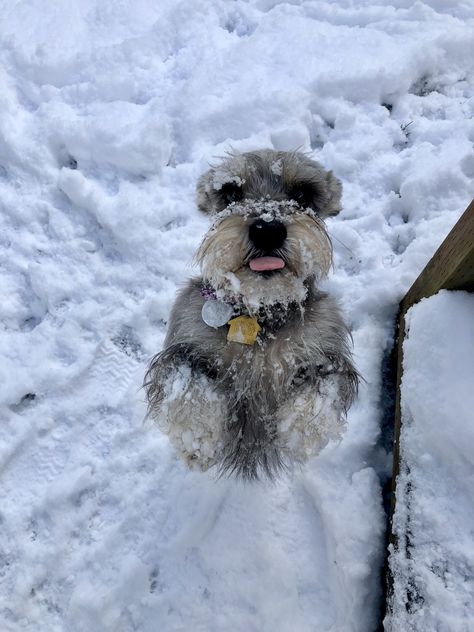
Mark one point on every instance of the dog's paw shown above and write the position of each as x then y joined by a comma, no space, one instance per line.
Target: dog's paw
192,414
313,417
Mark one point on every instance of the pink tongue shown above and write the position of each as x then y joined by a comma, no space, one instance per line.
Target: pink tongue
266,263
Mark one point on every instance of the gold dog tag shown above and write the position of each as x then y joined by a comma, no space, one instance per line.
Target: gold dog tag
243,329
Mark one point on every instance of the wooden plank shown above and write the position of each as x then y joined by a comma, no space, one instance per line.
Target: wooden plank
452,265
450,268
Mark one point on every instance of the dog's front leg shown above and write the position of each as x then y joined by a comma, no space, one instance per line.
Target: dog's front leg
315,410
184,401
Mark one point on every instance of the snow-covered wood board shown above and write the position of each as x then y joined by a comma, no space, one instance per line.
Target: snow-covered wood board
432,553
451,268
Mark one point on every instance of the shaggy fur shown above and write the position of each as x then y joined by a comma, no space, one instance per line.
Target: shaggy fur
257,409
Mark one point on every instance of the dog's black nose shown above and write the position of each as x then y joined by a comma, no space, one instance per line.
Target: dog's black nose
267,236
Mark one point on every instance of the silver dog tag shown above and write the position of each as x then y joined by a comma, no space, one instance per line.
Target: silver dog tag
216,313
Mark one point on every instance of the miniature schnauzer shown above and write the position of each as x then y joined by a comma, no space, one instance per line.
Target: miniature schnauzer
256,372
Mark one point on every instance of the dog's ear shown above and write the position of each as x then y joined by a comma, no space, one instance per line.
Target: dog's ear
333,194
204,191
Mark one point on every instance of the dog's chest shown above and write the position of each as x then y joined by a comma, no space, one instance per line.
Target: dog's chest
285,343
269,364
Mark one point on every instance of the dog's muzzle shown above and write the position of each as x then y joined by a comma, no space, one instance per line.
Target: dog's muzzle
267,236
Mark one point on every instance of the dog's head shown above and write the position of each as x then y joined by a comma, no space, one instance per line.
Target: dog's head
268,239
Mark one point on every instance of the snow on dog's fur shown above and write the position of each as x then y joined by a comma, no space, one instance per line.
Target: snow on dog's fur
225,253
279,398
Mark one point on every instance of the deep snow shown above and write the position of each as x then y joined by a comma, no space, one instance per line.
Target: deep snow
109,113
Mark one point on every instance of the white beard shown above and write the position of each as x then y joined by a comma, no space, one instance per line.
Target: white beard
223,257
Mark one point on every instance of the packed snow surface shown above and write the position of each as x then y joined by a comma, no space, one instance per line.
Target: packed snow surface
109,113
433,564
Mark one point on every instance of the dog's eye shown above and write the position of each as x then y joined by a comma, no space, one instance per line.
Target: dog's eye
231,192
302,193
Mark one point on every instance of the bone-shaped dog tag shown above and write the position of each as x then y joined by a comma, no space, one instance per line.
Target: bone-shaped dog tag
243,329
216,313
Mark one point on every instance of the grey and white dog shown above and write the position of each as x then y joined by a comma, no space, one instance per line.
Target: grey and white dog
256,372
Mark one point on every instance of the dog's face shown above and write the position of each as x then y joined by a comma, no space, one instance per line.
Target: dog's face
268,238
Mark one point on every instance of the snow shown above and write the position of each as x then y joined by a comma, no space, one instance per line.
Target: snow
435,497
109,113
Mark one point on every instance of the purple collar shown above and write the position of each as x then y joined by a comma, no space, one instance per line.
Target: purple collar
210,294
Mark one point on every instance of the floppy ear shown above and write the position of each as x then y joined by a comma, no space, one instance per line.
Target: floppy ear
204,190
333,187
